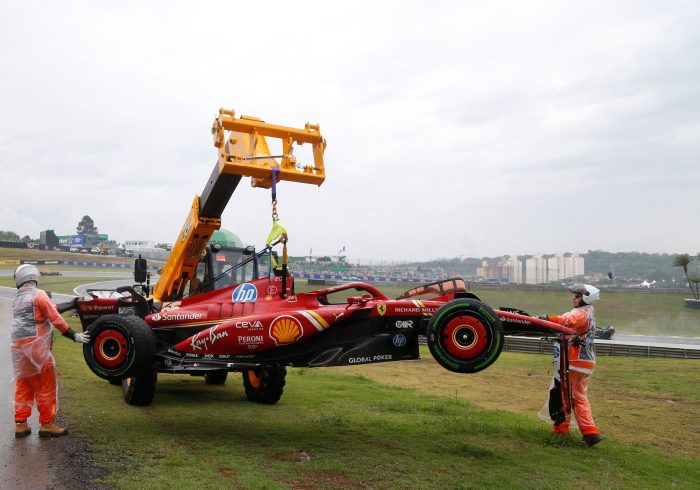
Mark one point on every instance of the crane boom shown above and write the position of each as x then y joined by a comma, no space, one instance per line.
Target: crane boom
242,152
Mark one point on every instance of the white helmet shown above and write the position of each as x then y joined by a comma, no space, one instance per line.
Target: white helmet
26,272
589,294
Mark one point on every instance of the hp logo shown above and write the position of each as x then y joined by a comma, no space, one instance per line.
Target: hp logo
399,340
245,293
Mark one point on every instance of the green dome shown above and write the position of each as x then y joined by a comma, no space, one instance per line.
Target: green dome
226,238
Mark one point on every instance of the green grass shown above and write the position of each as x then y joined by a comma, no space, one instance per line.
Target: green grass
635,312
650,402
32,254
58,284
356,432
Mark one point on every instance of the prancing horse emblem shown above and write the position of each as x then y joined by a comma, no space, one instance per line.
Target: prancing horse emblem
381,309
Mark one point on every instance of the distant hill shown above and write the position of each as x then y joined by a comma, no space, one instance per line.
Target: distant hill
626,266
635,265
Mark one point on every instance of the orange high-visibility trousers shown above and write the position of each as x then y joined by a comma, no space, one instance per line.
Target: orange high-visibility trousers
40,388
582,408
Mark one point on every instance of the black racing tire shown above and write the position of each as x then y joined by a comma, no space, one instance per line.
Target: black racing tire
465,336
264,384
216,377
140,389
120,347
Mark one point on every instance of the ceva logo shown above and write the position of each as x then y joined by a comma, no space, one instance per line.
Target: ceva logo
245,293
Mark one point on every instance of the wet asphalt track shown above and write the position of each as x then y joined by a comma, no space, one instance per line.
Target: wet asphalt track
25,462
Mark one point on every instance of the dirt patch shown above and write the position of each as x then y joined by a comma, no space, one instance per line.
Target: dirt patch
227,472
72,458
73,462
324,479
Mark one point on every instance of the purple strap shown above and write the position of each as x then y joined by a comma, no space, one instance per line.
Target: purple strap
275,172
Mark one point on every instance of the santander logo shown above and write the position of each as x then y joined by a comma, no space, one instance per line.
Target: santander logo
169,317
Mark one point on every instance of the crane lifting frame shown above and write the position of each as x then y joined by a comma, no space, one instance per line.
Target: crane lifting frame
244,151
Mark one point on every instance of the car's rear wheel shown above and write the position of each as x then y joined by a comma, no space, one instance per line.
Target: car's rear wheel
120,346
264,384
465,336
216,377
140,389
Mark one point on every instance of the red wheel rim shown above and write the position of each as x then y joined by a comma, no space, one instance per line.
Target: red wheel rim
110,348
465,337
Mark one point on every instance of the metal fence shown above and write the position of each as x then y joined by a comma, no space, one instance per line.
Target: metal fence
543,346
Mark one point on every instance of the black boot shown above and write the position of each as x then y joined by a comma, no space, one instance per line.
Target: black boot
591,439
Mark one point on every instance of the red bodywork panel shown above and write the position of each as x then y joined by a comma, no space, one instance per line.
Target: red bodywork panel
241,319
513,321
253,317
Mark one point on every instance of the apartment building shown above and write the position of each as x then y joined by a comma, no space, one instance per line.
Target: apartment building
508,268
539,269
563,266
536,270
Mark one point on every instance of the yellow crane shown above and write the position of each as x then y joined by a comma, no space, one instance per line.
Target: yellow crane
243,151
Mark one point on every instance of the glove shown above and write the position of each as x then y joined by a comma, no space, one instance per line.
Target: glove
543,317
81,338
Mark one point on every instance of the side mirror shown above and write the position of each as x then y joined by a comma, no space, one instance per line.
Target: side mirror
140,270
249,250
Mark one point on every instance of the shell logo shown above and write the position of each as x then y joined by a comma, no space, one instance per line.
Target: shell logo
285,330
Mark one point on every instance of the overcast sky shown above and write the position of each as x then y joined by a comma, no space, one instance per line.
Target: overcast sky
472,128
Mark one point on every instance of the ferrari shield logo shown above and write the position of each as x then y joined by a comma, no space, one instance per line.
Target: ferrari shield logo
381,309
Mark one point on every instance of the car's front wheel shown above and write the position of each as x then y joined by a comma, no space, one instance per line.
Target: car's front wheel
120,346
264,384
465,336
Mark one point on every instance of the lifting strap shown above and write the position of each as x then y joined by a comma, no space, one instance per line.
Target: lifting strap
278,232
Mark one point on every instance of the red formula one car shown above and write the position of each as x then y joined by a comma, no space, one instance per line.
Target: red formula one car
217,310
246,319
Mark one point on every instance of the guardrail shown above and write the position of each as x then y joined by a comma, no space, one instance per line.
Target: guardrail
543,346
